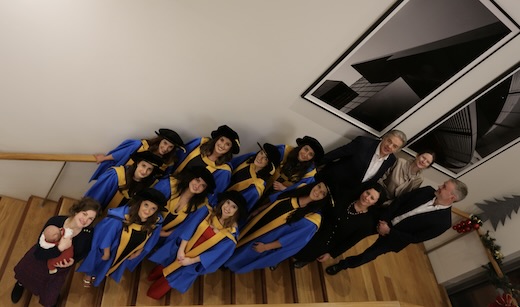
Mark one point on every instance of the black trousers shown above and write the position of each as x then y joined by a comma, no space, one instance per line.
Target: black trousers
380,247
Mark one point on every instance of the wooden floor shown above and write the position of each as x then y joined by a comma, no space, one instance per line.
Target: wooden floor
405,277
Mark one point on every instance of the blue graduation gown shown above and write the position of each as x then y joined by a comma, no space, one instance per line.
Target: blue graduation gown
104,189
121,156
221,173
308,178
165,187
292,237
108,234
252,192
210,260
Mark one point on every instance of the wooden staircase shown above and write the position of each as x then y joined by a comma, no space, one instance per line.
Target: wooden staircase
405,277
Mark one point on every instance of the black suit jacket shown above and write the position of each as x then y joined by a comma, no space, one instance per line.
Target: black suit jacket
345,167
416,228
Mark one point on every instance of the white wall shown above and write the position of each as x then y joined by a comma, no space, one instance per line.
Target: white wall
81,76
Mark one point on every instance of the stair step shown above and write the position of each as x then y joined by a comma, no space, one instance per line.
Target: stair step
27,227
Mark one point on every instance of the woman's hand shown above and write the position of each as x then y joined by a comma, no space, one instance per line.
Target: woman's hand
165,233
135,254
189,261
64,243
324,257
99,158
106,254
259,247
382,228
64,263
180,252
186,261
278,186
181,255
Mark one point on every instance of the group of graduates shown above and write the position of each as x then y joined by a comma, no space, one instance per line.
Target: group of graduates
194,208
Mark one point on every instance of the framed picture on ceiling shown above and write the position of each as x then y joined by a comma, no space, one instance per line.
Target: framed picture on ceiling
477,130
412,53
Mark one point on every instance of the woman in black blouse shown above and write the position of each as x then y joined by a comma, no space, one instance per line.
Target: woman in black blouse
32,273
350,219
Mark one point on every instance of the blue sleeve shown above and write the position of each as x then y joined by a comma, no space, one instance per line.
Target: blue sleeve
181,155
121,155
251,195
236,161
302,182
297,235
187,228
281,149
104,188
168,251
164,186
216,256
106,232
222,179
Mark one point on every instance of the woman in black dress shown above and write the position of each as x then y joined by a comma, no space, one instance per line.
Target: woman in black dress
32,273
348,220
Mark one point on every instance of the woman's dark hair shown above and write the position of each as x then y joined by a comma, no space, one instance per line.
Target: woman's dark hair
217,211
428,151
135,186
133,216
314,206
207,148
183,183
377,187
293,168
169,158
85,204
264,173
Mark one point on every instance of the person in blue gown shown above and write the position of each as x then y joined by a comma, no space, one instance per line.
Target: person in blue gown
297,167
164,145
354,216
198,246
281,230
213,153
123,238
252,170
116,186
186,192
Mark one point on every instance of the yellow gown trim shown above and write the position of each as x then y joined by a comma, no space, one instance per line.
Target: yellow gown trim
191,252
242,185
125,239
144,147
120,194
246,237
210,165
172,203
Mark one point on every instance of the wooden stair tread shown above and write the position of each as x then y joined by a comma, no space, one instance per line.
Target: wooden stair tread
33,220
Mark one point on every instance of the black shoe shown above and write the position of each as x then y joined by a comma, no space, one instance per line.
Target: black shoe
17,292
273,267
299,264
333,269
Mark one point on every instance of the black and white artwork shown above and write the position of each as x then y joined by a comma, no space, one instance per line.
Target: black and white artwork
411,54
477,130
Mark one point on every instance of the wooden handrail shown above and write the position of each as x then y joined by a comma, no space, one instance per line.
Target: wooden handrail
459,212
47,157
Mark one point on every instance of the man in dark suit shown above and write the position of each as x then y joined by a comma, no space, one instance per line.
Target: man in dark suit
414,217
364,159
